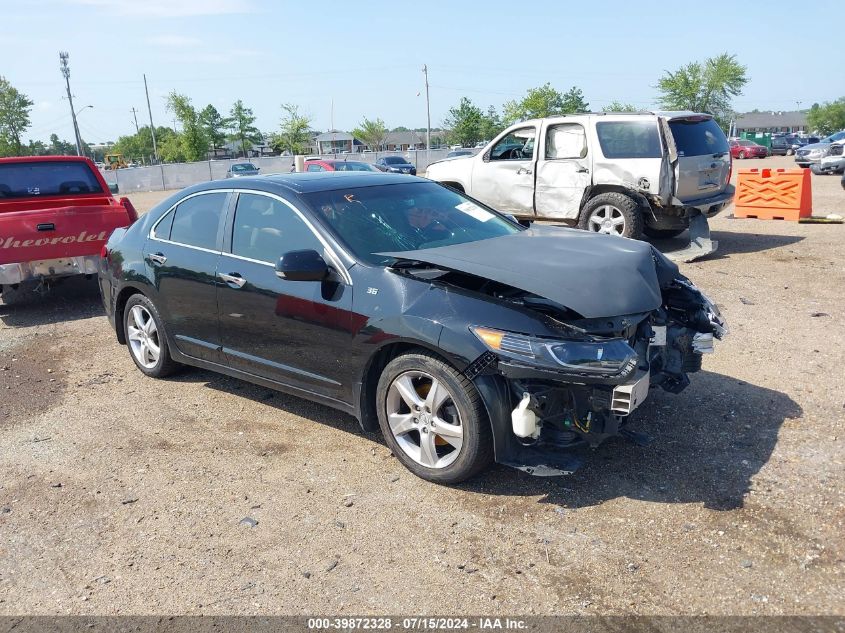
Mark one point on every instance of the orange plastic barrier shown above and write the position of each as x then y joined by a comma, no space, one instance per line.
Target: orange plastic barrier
774,194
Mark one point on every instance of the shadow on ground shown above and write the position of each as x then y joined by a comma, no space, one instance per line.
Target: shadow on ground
709,441
71,299
730,243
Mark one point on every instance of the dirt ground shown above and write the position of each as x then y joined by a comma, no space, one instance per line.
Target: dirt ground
120,494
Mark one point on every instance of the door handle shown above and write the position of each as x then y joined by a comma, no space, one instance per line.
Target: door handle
522,170
583,170
157,258
233,279
45,226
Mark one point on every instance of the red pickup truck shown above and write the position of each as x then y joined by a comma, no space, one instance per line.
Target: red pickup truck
56,213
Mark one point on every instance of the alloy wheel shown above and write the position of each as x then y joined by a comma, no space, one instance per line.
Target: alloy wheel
424,419
142,334
607,219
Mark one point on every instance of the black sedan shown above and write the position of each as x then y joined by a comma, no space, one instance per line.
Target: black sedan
396,165
460,334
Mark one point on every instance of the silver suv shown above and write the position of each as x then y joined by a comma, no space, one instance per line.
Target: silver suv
648,173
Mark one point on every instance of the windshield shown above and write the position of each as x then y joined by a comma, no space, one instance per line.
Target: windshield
697,138
47,178
353,166
394,160
243,167
835,137
404,217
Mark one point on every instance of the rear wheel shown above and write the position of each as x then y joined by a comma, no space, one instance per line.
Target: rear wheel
741,155
790,152
146,339
612,214
432,418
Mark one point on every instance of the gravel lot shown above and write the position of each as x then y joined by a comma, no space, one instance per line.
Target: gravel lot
121,494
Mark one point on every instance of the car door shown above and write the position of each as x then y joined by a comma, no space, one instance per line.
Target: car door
563,171
504,178
292,332
182,253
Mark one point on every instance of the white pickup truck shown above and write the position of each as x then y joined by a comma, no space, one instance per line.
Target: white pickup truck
657,173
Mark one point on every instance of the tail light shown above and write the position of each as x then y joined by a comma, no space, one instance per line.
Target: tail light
126,203
104,252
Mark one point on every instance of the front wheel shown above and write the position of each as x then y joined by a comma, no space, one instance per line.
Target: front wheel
146,338
790,152
612,214
741,155
433,419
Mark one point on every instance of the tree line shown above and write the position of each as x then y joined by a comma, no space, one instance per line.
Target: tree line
707,86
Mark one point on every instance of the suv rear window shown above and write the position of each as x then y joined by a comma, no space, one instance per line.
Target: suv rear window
697,138
629,139
47,178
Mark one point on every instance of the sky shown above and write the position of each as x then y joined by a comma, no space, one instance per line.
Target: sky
343,61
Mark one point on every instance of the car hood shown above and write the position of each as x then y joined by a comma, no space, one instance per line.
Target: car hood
816,146
453,158
593,275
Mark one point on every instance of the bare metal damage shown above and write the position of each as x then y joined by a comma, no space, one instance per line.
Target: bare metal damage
11,274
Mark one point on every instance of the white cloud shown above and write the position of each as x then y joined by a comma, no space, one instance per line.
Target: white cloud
170,8
44,106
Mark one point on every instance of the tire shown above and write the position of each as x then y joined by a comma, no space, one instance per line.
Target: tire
817,170
662,234
17,294
138,313
790,152
741,155
420,377
612,206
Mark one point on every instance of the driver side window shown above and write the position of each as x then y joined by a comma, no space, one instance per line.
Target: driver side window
517,145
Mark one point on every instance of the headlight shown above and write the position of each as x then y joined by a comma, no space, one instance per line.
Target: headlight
613,357
815,152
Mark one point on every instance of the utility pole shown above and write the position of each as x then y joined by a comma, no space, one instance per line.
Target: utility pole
150,111
427,111
135,116
63,61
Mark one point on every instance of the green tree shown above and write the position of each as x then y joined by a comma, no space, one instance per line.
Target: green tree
294,136
618,106
705,86
139,146
242,123
465,123
372,132
491,124
14,118
60,148
827,118
402,128
213,123
545,101
193,143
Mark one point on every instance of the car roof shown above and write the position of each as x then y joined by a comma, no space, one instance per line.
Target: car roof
309,182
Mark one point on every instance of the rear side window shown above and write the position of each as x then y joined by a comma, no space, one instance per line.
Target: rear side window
697,138
313,167
265,229
629,139
195,221
162,230
48,178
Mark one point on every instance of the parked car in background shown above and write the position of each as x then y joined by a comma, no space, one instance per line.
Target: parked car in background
56,213
461,335
331,164
622,174
396,165
781,146
814,152
834,162
459,152
239,170
743,148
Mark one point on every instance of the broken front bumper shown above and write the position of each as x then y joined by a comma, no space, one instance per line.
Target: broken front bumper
11,274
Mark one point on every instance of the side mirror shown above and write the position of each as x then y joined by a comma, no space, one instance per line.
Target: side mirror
113,188
302,266
258,169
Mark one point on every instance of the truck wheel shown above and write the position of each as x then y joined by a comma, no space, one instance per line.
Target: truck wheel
17,294
662,234
432,418
612,214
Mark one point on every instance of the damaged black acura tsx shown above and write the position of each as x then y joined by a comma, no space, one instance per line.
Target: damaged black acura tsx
464,336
